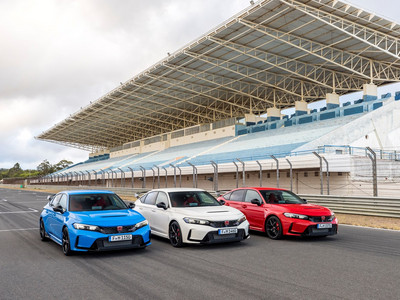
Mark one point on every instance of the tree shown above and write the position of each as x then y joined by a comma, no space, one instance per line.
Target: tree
62,164
15,171
45,167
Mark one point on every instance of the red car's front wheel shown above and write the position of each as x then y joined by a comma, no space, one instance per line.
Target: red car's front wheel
273,228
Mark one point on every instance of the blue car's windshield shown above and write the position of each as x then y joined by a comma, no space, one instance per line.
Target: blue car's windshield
92,202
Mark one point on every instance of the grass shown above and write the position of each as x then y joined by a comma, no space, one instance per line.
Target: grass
357,220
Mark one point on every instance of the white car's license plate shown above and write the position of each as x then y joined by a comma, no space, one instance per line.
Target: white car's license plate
327,225
227,231
124,237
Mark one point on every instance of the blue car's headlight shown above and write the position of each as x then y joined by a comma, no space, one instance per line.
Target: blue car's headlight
295,216
141,224
86,227
196,221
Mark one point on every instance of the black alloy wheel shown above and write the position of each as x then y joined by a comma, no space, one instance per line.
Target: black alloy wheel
66,245
175,234
273,228
43,236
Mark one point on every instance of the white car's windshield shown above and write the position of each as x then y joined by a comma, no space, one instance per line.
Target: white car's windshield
192,199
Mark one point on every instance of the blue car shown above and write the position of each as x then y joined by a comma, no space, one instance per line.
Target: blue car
92,220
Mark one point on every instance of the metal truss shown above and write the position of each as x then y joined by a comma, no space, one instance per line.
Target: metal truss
381,41
270,55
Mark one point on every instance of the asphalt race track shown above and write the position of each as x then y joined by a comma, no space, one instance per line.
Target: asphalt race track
358,263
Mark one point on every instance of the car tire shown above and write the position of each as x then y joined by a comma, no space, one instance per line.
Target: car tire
273,228
175,234
42,231
66,244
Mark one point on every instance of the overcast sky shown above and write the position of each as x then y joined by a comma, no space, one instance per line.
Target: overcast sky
57,55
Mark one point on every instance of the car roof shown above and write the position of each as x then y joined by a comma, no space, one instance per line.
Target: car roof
80,192
260,189
169,190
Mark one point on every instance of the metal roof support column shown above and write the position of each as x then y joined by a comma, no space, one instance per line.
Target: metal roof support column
320,172
108,178
174,174
237,174
260,171
166,177
277,170
215,166
82,174
122,174
180,176
88,176
103,177
194,175
95,177
243,171
77,178
143,176
132,175
327,175
291,174
158,175
372,157
154,177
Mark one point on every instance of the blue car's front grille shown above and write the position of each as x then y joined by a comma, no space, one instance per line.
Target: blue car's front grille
114,229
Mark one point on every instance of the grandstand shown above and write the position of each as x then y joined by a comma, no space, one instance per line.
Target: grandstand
214,113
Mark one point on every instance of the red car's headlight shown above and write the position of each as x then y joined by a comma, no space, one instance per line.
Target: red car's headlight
295,216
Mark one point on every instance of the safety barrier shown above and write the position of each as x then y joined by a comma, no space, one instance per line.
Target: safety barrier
370,206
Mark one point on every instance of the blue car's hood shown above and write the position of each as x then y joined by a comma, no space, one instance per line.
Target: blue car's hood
107,217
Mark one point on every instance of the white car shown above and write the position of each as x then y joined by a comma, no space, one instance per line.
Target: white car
191,216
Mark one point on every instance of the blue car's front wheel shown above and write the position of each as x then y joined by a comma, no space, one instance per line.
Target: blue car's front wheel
42,231
66,245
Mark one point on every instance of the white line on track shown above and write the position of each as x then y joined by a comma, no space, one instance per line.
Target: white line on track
5,200
19,229
31,210
369,227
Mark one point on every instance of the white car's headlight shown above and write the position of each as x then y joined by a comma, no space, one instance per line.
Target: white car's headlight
196,221
86,227
141,224
241,220
295,216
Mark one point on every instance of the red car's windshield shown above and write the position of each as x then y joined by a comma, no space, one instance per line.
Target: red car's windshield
280,197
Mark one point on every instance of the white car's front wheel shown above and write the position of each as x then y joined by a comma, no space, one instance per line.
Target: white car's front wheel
175,234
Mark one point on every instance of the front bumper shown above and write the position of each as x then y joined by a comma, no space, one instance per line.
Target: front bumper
209,235
83,240
306,228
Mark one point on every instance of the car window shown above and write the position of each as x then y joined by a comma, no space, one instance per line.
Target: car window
192,199
143,198
237,195
55,200
63,201
162,197
91,202
151,198
227,196
251,195
280,197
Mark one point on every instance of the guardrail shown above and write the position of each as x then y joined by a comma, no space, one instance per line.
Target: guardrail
370,206
367,206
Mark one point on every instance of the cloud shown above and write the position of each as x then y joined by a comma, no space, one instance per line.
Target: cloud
57,56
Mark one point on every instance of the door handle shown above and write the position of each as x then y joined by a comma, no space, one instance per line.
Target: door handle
244,205
227,204
153,210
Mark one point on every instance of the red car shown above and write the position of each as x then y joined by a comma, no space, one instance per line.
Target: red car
280,212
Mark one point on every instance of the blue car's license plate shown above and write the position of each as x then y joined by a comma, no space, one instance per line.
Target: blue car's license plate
124,237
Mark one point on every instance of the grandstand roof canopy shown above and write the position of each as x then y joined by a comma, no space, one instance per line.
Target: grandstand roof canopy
273,53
